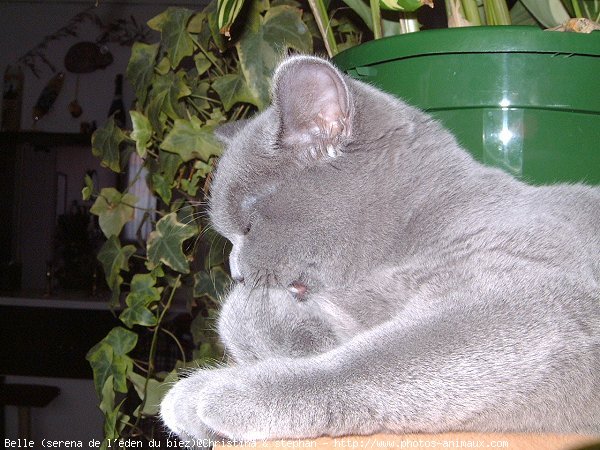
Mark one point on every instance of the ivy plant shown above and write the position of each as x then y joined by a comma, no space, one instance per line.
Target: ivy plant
195,78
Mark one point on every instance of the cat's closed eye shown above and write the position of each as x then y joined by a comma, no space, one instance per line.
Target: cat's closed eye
247,205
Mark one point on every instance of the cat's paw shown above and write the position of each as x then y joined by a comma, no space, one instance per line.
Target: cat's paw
263,401
178,411
228,402
236,405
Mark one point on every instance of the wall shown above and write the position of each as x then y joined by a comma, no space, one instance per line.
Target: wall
24,24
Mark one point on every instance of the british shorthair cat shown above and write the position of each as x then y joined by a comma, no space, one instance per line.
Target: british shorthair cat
388,282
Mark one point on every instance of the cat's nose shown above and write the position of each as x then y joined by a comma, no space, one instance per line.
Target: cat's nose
298,290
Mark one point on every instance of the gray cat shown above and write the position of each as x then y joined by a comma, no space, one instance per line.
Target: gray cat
388,282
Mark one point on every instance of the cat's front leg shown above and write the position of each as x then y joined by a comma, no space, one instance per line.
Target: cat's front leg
249,402
474,368
327,394
262,323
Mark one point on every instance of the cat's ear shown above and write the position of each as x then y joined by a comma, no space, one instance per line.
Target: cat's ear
315,106
226,132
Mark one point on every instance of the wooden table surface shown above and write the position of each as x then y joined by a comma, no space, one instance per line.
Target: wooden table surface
512,441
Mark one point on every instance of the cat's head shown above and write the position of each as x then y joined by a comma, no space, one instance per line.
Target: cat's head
293,191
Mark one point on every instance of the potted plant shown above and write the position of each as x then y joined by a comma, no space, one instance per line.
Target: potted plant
517,97
194,79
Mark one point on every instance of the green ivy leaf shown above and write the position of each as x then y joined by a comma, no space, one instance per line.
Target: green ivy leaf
109,358
161,187
142,295
202,63
169,164
256,66
137,314
115,258
232,89
283,24
217,117
177,204
212,285
114,423
88,189
100,358
157,22
157,271
203,168
199,94
195,25
190,140
164,66
263,42
107,397
185,213
142,132
140,69
153,393
175,36
114,420
165,243
106,143
201,29
164,98
114,210
191,186
121,341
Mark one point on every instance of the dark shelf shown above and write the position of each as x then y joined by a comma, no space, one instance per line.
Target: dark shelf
43,138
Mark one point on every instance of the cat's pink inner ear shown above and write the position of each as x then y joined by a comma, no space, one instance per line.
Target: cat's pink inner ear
331,103
314,103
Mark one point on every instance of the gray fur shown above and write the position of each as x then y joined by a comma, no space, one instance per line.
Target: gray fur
440,294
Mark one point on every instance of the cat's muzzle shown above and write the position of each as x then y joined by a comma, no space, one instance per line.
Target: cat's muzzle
298,290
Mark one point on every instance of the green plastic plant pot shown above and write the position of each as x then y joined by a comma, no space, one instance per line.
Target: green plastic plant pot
518,98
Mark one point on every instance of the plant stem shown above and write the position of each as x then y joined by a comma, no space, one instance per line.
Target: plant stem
164,330
139,366
240,112
208,99
576,8
320,14
208,55
471,12
376,16
408,22
496,12
153,345
199,111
